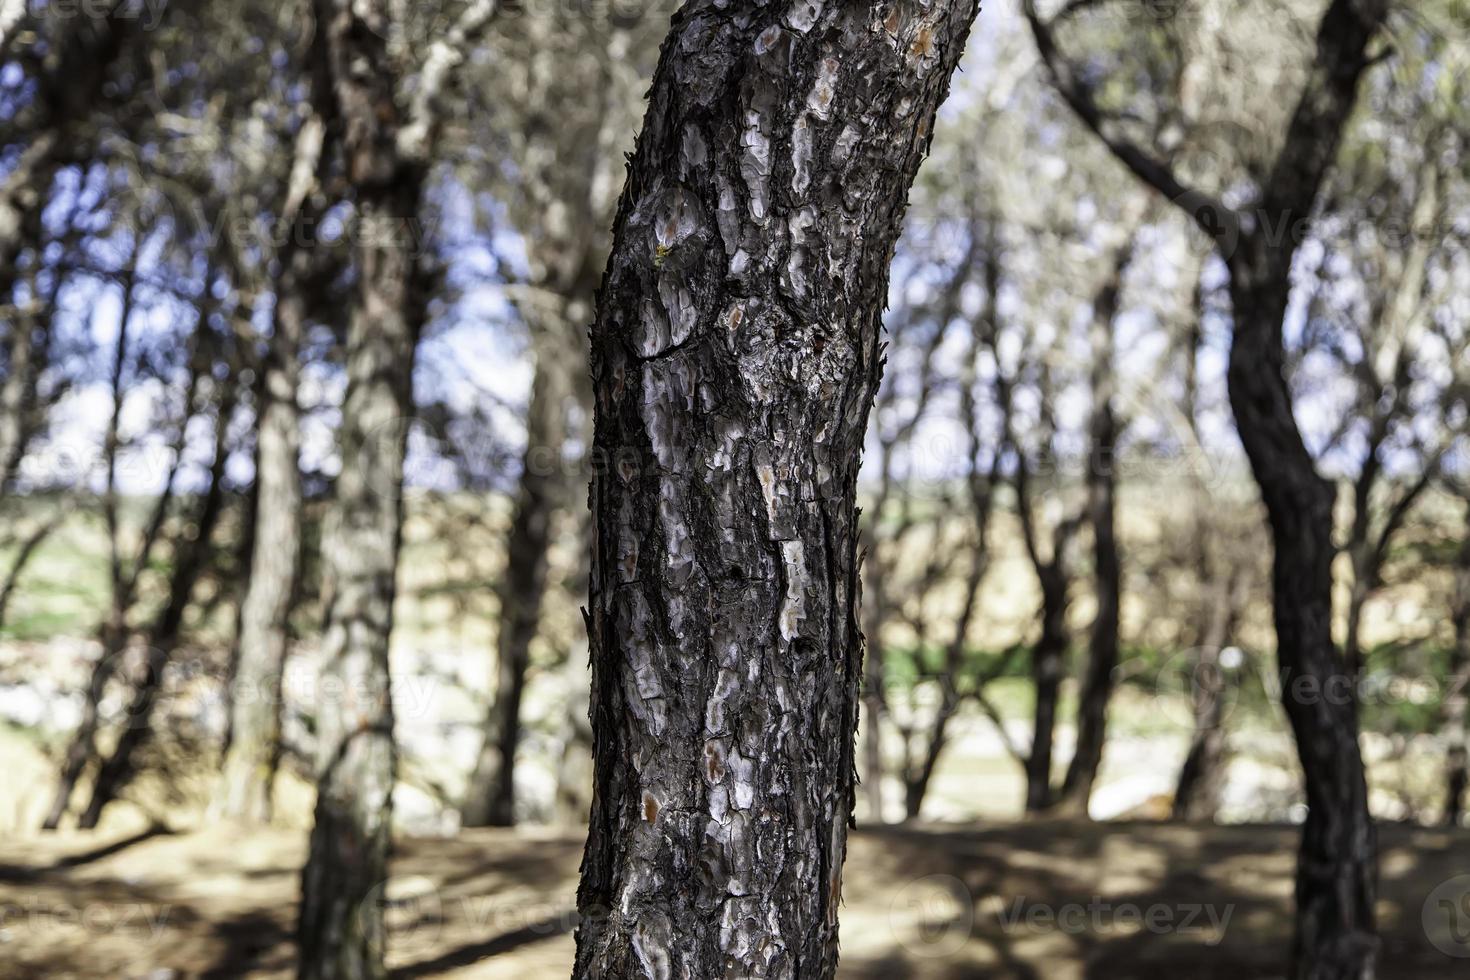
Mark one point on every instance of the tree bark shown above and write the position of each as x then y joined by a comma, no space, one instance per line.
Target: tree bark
735,354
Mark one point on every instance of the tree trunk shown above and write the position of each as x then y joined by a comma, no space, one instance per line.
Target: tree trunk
1048,666
735,354
1458,758
15,387
1102,491
340,930
1336,870
490,801
1197,791
249,767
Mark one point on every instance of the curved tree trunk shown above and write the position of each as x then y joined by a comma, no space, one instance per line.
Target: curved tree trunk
1336,871
735,355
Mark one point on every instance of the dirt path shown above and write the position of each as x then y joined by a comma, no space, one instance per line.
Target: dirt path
1043,901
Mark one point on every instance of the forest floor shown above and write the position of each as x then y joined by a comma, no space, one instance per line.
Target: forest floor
1044,900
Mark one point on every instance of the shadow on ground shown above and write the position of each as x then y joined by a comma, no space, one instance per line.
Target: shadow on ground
1046,900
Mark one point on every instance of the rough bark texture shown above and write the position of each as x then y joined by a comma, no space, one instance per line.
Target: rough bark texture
735,355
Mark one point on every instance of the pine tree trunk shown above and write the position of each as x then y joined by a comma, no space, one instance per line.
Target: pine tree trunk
340,929
255,697
18,382
735,354
1336,869
490,801
1048,666
1102,490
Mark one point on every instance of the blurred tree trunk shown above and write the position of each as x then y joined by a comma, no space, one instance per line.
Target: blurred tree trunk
1048,666
565,151
490,801
1336,872
388,127
340,931
1197,791
980,484
735,355
1458,757
16,389
1102,507
249,766
1336,881
113,633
